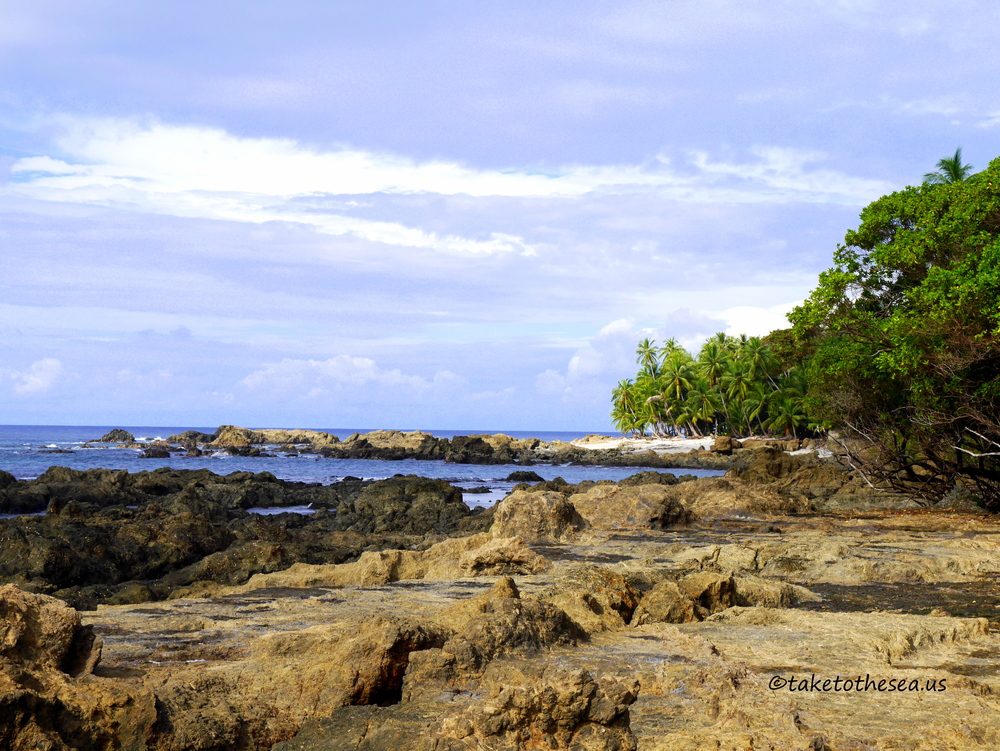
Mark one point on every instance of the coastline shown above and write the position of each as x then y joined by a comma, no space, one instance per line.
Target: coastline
643,612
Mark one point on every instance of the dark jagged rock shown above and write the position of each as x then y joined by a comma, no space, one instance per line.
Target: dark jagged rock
406,504
116,436
112,535
189,437
652,478
524,476
155,452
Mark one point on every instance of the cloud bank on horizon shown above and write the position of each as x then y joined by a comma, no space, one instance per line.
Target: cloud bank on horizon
437,215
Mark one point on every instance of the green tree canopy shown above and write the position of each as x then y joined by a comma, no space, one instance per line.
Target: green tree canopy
905,331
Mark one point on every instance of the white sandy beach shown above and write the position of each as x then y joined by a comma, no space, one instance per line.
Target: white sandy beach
659,445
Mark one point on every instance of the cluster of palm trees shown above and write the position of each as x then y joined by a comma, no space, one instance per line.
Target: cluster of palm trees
735,386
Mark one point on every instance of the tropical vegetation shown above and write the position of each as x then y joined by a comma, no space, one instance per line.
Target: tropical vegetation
735,386
901,338
896,351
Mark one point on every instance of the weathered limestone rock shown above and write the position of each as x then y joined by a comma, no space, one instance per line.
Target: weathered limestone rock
537,517
547,708
498,622
725,444
596,598
639,507
477,555
501,557
48,696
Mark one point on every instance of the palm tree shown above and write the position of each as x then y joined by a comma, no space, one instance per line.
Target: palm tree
787,415
758,358
712,361
624,409
949,170
702,403
677,374
648,356
756,403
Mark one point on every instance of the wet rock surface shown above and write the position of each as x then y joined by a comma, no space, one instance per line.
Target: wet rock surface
112,536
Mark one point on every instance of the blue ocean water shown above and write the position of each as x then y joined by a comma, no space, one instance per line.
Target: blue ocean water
22,454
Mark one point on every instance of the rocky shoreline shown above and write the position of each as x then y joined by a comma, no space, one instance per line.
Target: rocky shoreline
651,613
389,445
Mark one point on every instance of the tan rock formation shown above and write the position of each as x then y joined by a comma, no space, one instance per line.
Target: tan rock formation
545,516
48,696
478,555
639,507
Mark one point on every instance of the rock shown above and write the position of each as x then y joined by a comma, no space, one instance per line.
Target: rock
45,633
477,555
155,452
524,476
597,599
698,596
758,591
710,497
666,603
389,445
650,478
502,557
725,445
497,622
117,436
408,503
710,591
637,507
230,436
6,480
473,450
537,517
48,695
545,708
191,438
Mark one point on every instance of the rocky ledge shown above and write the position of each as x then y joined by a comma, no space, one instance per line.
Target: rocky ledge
777,607
724,613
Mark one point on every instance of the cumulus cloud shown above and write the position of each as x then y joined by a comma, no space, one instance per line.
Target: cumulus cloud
38,378
757,321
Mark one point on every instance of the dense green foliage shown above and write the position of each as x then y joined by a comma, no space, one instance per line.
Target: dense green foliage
734,386
901,337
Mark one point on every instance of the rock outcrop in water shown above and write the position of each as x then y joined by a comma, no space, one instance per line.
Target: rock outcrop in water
111,534
472,449
117,436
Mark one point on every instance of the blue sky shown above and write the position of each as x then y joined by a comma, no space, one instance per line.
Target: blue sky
439,214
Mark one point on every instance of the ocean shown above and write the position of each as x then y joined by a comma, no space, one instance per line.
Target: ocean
23,453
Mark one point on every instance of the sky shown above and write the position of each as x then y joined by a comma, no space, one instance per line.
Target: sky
437,214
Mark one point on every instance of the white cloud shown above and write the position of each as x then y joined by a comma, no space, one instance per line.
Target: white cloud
205,172
754,321
781,174
316,377
40,376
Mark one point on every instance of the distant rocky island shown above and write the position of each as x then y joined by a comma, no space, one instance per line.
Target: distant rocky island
153,610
